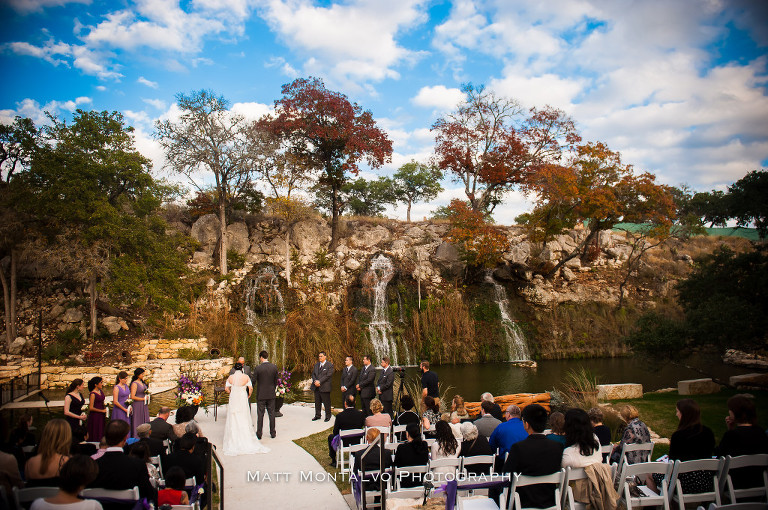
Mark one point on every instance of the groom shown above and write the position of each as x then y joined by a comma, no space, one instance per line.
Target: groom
265,376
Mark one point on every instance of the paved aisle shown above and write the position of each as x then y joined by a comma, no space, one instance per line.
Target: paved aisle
285,457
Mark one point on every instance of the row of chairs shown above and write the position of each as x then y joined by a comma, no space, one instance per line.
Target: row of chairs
23,498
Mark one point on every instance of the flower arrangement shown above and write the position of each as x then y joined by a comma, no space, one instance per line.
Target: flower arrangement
189,391
129,405
283,383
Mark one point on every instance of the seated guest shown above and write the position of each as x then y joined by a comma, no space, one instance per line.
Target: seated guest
534,456
444,447
102,449
408,415
378,418
43,469
184,457
496,410
486,424
10,476
582,446
414,452
349,418
155,447
76,474
602,431
373,461
431,414
184,415
457,406
743,437
118,471
141,451
509,432
557,428
455,422
636,432
161,429
474,444
20,437
174,493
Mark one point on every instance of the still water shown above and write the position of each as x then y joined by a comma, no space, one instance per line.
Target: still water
471,381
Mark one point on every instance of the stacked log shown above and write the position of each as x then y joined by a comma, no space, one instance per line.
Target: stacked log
519,399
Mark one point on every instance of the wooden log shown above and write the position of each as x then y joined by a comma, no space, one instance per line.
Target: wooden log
519,399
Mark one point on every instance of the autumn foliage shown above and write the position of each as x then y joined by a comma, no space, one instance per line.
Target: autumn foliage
479,243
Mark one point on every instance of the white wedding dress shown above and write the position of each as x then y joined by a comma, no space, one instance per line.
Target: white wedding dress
239,436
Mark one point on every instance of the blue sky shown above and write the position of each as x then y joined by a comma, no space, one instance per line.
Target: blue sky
678,87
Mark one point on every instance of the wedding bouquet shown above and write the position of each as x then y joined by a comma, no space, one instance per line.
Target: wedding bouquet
106,410
147,396
283,383
189,391
129,405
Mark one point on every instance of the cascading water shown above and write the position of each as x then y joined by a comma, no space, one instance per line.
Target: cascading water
517,349
265,312
378,276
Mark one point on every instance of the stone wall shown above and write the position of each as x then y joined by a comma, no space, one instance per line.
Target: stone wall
163,348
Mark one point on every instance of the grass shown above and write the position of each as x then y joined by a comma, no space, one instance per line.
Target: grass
317,446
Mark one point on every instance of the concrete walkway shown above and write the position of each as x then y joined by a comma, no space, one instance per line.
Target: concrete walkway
286,477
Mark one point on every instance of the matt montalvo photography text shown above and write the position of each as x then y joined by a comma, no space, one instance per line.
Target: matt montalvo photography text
321,476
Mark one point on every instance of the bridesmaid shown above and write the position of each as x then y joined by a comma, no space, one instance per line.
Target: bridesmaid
138,395
120,394
73,409
97,411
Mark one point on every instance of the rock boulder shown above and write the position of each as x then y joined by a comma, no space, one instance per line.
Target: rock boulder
72,315
697,387
619,391
206,231
237,238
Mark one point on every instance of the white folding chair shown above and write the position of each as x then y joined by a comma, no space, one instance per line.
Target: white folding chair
476,502
190,483
759,462
400,473
558,480
353,437
24,497
413,493
351,450
444,463
30,448
396,431
193,506
127,495
384,431
167,444
155,461
736,506
477,460
634,447
606,450
430,441
676,493
632,472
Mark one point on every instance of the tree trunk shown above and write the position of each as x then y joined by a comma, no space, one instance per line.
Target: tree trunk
575,253
223,236
408,214
12,325
334,219
7,305
94,315
288,256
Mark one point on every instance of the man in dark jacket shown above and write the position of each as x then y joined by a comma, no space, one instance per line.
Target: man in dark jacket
160,428
348,378
118,471
349,418
184,457
321,385
366,384
384,386
265,376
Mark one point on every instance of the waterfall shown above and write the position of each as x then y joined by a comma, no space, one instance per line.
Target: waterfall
378,276
265,312
517,350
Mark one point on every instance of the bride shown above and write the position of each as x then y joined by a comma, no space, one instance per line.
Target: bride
239,436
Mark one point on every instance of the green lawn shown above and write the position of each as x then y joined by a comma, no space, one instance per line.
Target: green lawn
317,446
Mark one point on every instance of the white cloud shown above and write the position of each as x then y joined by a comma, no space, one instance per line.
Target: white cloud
148,83
52,52
32,109
157,103
352,43
251,111
439,97
286,68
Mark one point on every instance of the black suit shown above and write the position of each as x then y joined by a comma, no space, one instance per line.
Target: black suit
323,392
349,418
348,380
156,447
367,385
162,430
386,380
192,464
118,471
265,376
535,456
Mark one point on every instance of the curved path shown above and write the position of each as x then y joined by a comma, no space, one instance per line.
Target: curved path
286,477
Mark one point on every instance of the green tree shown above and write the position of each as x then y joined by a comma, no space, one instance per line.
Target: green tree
208,137
18,142
416,182
359,197
748,201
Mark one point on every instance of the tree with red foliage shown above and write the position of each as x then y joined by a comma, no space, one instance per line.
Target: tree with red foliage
480,244
492,144
600,191
331,134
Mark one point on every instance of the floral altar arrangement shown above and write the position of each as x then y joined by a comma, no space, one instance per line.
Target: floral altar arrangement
283,383
189,390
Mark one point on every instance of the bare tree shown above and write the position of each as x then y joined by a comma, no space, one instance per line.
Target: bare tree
209,138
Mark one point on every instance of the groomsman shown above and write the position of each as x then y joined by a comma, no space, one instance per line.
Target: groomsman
348,379
384,386
265,376
321,385
366,384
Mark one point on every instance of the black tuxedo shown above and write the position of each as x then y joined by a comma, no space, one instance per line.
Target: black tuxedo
118,471
367,385
535,456
386,380
246,370
162,430
349,380
323,392
349,418
265,375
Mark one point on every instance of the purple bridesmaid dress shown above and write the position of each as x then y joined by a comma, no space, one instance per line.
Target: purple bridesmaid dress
122,396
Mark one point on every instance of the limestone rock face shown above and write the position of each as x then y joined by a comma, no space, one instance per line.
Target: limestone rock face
368,238
206,231
112,324
697,387
447,256
72,315
18,344
352,265
237,238
310,236
741,358
755,380
619,391
56,311
518,253
201,258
